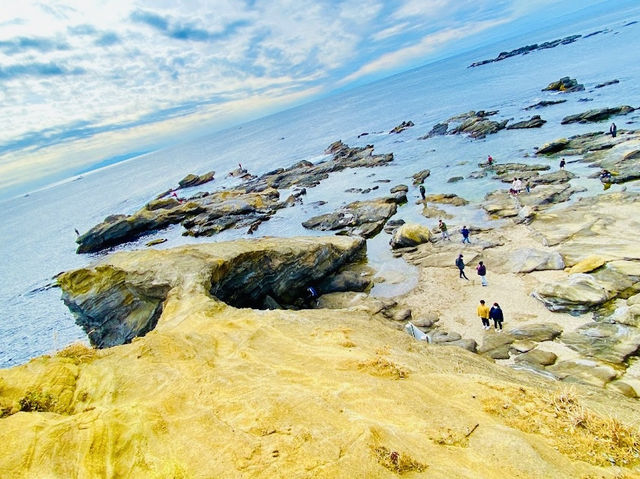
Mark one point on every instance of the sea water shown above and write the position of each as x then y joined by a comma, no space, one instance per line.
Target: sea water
37,238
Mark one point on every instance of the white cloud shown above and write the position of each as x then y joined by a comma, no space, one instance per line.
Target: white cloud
426,45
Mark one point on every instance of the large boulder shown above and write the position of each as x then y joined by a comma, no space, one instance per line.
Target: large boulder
410,234
578,293
122,296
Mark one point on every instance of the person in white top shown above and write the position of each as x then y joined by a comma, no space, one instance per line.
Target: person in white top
516,186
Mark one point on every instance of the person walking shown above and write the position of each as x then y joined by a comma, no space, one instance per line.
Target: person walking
460,265
482,272
496,314
443,229
483,313
465,235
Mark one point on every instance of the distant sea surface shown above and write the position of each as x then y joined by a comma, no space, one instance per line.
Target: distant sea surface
37,238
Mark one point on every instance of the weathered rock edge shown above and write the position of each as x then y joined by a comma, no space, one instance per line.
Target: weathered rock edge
121,297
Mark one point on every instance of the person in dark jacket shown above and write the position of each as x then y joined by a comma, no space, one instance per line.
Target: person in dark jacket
482,272
495,313
460,265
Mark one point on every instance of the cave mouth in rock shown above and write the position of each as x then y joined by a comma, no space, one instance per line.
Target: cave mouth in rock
296,299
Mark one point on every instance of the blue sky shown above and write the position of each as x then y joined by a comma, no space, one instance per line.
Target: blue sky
86,80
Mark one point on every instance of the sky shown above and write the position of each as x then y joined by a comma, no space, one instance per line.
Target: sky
83,81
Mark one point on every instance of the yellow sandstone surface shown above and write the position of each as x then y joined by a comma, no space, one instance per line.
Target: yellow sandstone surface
216,391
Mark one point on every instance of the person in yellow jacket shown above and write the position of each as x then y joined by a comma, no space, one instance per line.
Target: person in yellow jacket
483,312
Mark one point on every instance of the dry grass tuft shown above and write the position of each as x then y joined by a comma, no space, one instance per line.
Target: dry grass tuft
574,430
449,437
397,462
37,401
348,344
78,353
383,367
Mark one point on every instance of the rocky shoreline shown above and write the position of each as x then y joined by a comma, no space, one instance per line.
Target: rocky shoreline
223,347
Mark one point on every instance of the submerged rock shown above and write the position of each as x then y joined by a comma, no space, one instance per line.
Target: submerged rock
544,103
122,296
607,83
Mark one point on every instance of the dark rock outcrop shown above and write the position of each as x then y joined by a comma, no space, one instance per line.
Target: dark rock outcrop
247,206
438,129
401,127
419,177
544,103
196,180
116,229
600,114
607,83
477,125
528,49
534,122
565,85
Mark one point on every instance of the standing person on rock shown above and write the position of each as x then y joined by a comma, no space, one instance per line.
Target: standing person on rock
562,163
613,129
496,314
483,313
422,191
482,272
460,265
443,229
465,235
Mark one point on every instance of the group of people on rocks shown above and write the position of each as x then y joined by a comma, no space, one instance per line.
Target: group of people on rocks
485,314
481,269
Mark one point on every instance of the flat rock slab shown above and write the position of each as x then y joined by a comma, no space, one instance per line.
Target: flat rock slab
537,357
583,371
361,218
613,343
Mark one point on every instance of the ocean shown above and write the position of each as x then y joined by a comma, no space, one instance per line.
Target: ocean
37,238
